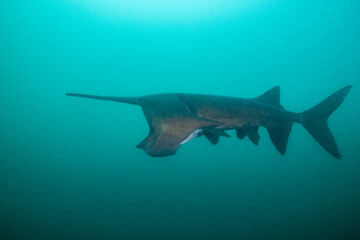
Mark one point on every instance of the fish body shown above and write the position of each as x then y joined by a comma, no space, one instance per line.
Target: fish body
176,118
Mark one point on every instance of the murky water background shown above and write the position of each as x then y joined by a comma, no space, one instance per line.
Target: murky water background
69,168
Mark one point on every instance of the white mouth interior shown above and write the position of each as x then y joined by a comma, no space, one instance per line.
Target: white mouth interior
192,135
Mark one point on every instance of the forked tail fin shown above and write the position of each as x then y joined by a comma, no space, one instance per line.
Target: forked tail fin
314,120
130,100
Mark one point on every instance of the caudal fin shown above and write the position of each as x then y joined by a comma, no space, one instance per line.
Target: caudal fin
314,120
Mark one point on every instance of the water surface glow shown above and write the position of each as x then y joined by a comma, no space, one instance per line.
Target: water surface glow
173,10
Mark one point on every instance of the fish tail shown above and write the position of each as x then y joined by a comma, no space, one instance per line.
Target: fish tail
314,120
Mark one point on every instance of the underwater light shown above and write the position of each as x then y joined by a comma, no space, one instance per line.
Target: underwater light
174,10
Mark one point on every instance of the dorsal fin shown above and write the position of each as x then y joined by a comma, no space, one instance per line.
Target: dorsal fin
271,97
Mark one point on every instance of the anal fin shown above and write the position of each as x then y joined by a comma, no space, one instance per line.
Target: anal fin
279,135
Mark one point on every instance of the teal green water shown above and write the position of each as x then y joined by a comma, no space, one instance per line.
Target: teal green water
69,168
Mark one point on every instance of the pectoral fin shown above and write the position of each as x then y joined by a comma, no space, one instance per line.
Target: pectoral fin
213,138
213,134
218,132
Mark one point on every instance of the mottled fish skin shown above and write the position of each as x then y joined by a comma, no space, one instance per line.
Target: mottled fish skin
176,118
